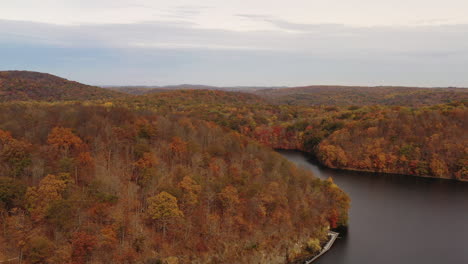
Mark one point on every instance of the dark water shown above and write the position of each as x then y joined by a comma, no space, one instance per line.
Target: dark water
398,219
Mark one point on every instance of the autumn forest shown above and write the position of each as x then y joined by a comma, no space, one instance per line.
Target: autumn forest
94,175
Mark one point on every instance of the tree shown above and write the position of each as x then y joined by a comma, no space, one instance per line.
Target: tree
333,218
339,202
145,168
38,250
332,156
85,163
109,238
191,191
61,214
82,246
178,147
270,198
438,167
14,154
63,139
11,193
163,208
229,198
40,198
313,246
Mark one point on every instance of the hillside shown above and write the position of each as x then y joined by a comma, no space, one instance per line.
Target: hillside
137,90
428,141
200,101
326,95
140,90
354,95
92,184
26,85
391,139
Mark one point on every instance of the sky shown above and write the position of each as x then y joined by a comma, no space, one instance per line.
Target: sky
239,43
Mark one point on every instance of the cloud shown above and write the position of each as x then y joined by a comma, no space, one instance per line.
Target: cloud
282,24
161,52
299,38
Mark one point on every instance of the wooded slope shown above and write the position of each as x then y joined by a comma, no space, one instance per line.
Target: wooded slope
391,139
354,95
25,85
94,184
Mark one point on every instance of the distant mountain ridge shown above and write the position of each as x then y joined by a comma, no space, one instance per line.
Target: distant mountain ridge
326,94
363,95
27,85
141,89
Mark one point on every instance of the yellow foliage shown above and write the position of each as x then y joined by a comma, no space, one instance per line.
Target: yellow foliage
39,198
171,260
313,245
438,167
229,197
163,207
191,190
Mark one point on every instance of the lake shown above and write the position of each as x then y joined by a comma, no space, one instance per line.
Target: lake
397,219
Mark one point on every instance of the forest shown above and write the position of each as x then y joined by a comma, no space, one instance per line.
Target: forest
326,95
92,175
26,85
428,141
363,95
105,184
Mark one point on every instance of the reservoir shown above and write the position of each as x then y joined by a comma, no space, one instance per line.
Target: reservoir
396,218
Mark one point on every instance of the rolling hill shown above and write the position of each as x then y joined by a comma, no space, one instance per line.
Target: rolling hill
355,95
326,94
26,85
140,90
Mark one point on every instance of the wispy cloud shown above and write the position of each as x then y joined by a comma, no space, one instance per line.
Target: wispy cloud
170,52
302,38
289,26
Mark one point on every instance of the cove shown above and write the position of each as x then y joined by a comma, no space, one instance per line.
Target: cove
397,218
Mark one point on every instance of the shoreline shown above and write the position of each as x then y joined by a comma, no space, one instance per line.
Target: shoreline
333,237
311,157
325,249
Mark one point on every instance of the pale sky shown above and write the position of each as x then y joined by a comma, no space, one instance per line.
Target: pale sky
256,42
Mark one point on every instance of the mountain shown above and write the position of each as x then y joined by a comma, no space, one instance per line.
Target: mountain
27,85
356,95
195,97
137,90
140,90
325,94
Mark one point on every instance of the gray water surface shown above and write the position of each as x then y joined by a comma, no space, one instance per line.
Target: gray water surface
396,219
